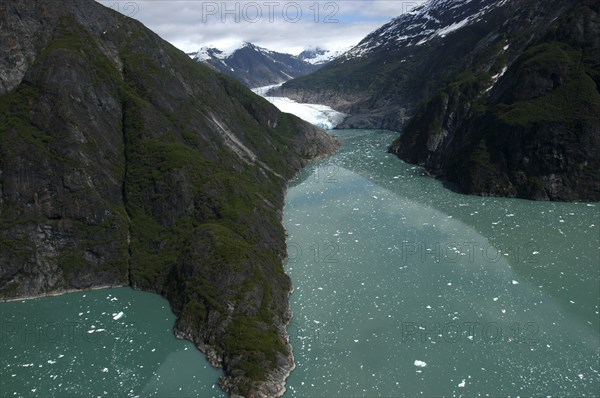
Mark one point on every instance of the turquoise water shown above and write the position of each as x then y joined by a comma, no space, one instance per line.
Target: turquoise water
402,288
405,288
103,343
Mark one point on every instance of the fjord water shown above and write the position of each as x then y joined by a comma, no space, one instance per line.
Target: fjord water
102,343
402,288
406,288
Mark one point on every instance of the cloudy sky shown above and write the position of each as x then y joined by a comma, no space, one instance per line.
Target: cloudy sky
286,26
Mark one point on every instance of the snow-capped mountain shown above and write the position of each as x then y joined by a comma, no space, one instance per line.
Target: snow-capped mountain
319,56
435,18
253,65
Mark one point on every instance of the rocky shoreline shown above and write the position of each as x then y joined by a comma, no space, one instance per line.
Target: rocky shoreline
273,387
118,192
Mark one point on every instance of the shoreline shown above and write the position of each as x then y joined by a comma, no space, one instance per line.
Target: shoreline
60,293
277,378
286,335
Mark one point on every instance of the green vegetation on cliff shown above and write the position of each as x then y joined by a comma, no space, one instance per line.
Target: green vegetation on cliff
525,127
124,162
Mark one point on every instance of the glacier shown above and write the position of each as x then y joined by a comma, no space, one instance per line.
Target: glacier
319,115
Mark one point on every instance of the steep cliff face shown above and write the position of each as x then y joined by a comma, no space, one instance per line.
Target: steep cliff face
124,162
523,119
498,97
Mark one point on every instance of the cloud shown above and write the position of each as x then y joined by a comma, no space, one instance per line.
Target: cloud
287,26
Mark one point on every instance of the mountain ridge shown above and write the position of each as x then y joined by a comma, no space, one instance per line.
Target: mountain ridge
253,65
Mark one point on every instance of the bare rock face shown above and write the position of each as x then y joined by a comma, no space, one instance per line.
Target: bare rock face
524,119
124,162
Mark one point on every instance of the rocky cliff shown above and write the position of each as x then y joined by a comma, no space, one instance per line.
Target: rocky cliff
496,97
124,162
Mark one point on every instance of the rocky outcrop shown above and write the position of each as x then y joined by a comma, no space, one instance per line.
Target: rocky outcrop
124,162
523,120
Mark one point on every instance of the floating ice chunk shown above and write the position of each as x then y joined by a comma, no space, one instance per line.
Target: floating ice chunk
51,362
118,315
514,282
495,298
462,383
420,364
104,370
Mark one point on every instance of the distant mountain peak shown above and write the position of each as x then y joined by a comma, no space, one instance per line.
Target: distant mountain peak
219,52
253,65
321,56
